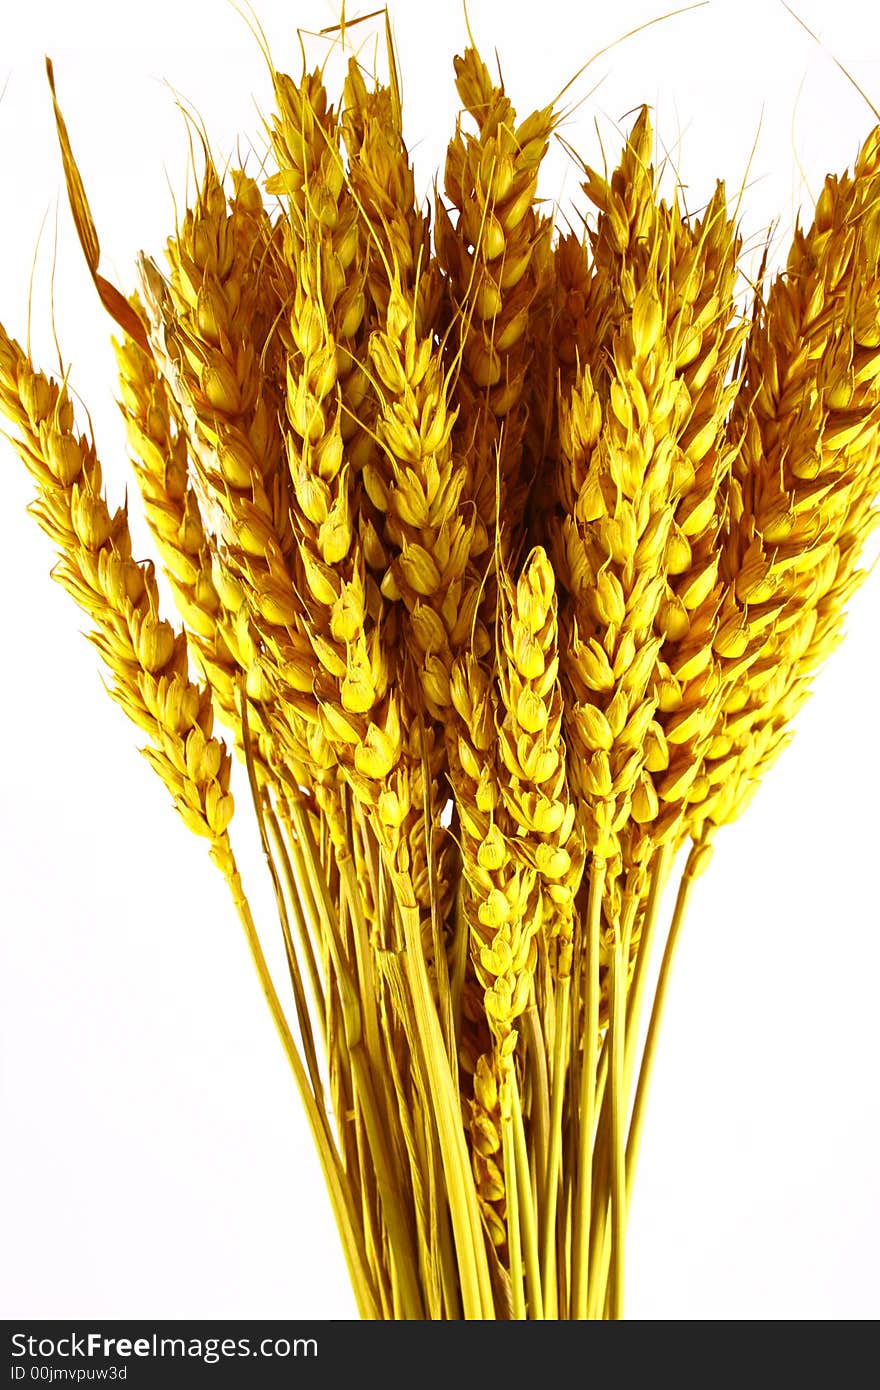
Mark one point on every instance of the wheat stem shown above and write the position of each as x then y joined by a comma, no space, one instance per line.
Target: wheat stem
617,1068
587,1108
295,894
514,1237
340,1199
470,1250
635,995
693,867
525,1201
554,1158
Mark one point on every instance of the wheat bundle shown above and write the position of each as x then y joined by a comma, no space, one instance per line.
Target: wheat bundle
503,560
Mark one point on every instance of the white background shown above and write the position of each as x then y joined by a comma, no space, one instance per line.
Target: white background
155,1162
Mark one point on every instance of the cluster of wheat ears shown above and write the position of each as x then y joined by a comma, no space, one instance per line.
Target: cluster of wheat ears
504,558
